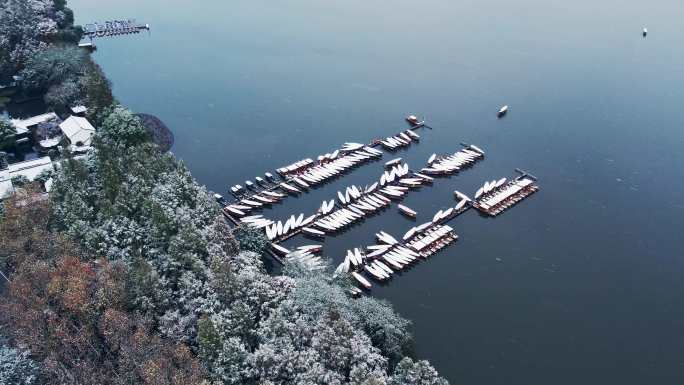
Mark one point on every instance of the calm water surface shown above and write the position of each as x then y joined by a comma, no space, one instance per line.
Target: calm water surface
589,288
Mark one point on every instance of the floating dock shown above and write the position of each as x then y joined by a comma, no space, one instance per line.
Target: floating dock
451,164
114,28
497,196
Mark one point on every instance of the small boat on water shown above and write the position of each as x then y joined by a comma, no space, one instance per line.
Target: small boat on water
363,281
407,211
313,232
502,111
220,199
431,160
393,162
414,121
249,184
279,249
461,204
289,188
260,180
461,195
644,32
269,176
413,135
475,148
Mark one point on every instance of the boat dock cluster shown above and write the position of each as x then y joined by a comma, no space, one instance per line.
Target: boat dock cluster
497,196
389,255
355,203
451,164
382,260
307,257
402,139
297,177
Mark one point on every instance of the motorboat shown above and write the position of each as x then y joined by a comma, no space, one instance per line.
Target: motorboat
502,111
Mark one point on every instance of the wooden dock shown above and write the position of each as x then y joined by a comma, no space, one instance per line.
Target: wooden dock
505,196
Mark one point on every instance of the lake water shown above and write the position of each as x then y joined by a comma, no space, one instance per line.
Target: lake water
589,287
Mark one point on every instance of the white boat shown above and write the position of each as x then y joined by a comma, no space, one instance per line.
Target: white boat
393,162
461,195
407,211
380,276
311,248
312,232
502,111
346,263
372,188
500,182
289,188
280,228
301,183
413,135
437,216
474,147
352,258
249,184
363,281
409,234
359,256
251,203
339,270
235,211
431,159
384,267
461,204
644,32
287,226
280,249
479,192
393,262
378,247
341,197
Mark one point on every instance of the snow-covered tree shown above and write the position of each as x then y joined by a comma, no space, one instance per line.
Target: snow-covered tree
17,368
409,372
30,26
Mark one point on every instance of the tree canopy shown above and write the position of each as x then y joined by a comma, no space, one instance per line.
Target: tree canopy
30,26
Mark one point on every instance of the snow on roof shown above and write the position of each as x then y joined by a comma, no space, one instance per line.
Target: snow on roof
23,125
6,188
48,184
30,168
79,109
78,129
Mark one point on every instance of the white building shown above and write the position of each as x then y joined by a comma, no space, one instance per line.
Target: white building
6,188
79,133
23,126
29,169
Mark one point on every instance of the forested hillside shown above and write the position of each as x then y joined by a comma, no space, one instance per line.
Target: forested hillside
129,274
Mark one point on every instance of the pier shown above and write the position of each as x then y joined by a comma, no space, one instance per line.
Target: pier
113,28
498,196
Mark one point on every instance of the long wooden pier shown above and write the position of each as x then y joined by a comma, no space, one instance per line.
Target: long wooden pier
113,28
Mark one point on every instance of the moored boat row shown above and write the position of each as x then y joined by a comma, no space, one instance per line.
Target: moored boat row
497,196
451,164
402,139
383,260
358,203
279,230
